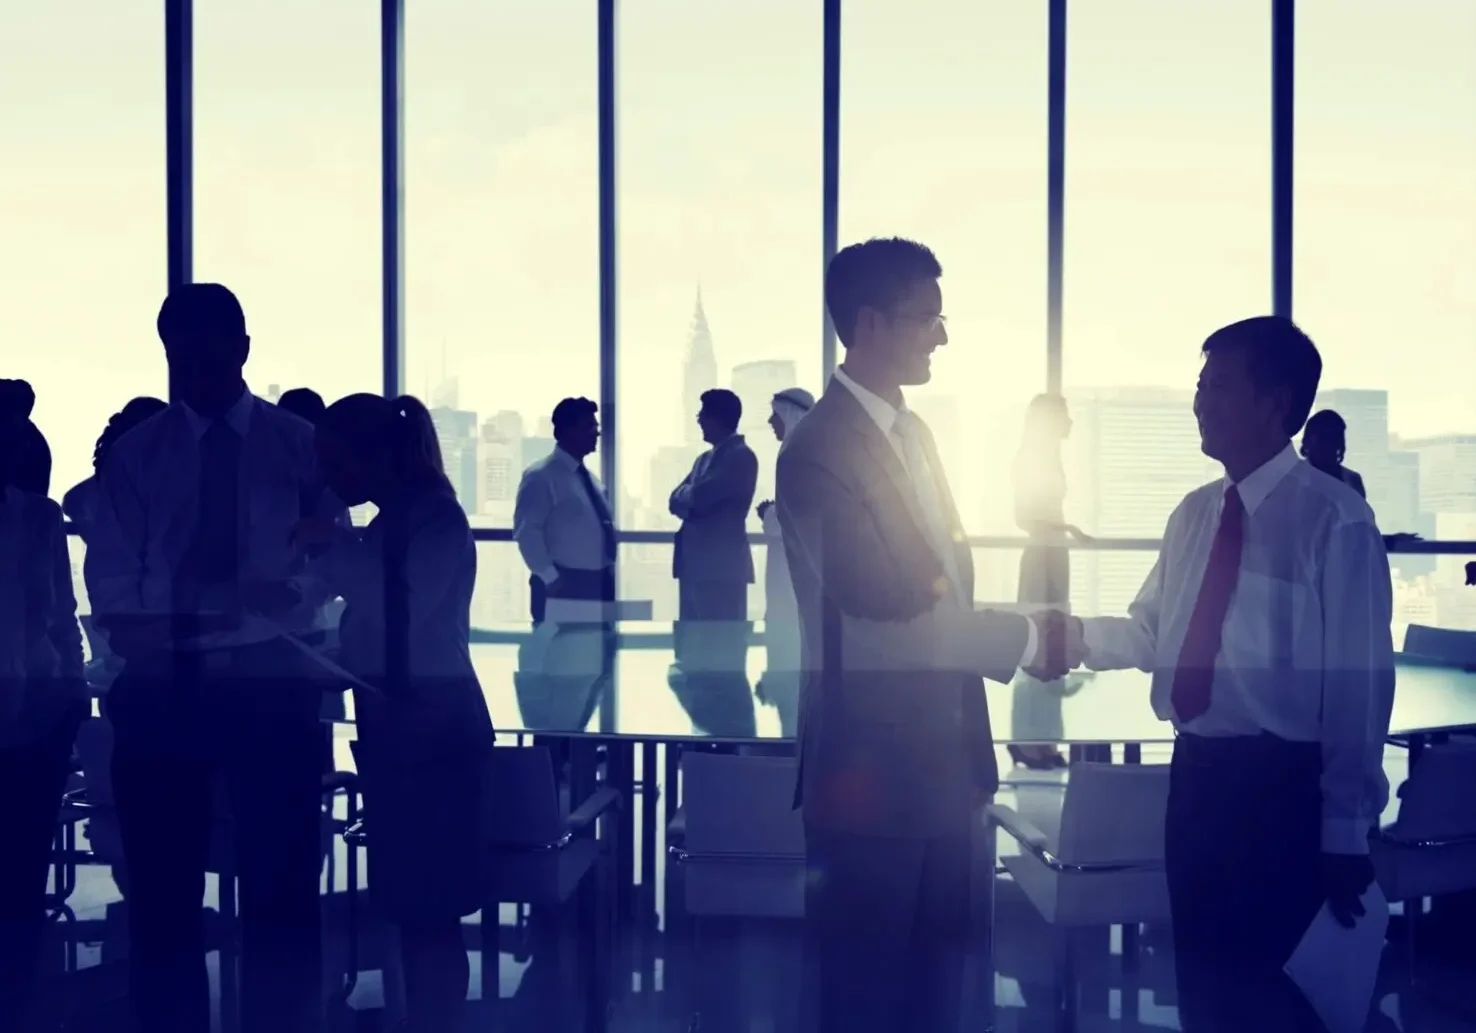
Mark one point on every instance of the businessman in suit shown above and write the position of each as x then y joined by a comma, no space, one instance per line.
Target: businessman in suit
896,753
712,561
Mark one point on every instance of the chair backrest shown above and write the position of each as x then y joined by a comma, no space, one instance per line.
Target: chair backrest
1114,814
1438,802
741,807
95,751
526,809
1446,644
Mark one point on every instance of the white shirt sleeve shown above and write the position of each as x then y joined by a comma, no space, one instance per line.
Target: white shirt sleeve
531,513
1119,643
1357,687
62,627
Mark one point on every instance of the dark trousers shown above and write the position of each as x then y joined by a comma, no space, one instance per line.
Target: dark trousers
187,727
887,925
597,585
33,776
1243,856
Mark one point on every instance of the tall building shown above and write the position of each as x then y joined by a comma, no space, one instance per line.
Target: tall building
700,372
1133,455
457,431
1366,412
1447,472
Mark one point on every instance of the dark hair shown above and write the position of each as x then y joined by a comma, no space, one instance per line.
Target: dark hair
874,274
25,457
1328,419
400,427
723,405
1279,356
121,422
304,402
200,311
570,412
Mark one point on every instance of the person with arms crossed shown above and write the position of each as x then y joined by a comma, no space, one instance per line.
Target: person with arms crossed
1265,624
711,560
562,520
895,749
193,574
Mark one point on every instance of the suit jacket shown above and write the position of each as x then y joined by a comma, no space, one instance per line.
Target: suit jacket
713,503
891,743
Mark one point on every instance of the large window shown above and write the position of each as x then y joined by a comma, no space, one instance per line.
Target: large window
1167,238
943,139
83,268
720,249
502,244
1386,264
287,184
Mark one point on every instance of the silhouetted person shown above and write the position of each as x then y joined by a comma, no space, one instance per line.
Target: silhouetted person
425,738
562,520
43,698
80,503
781,614
32,465
193,573
1045,565
712,562
304,402
1324,443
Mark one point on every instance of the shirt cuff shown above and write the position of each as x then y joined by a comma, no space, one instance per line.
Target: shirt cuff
1345,836
549,576
1032,644
1091,640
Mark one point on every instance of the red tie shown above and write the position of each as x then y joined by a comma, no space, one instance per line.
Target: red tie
1196,670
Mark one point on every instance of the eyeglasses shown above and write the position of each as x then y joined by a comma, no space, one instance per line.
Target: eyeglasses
928,321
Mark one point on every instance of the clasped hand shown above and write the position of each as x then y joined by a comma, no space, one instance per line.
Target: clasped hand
1060,645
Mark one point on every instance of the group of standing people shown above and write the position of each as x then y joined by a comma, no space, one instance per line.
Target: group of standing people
217,531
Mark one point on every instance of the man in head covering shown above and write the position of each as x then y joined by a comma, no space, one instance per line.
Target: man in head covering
781,615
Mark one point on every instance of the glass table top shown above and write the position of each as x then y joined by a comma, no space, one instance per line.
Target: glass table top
582,681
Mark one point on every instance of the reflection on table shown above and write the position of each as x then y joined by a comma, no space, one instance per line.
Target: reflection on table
622,682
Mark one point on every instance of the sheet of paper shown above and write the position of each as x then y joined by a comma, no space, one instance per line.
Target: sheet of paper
1336,967
327,663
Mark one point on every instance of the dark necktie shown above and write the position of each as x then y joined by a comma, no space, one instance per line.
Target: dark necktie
217,529
602,511
1195,673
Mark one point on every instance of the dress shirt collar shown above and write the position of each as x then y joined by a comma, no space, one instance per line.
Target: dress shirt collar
881,411
1255,486
238,416
565,460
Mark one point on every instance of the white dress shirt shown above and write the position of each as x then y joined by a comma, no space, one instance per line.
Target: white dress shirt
40,640
144,525
949,632
1306,653
554,522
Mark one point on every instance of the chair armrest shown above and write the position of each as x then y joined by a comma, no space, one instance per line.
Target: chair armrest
1017,827
597,803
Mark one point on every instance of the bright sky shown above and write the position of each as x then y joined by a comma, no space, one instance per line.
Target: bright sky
943,138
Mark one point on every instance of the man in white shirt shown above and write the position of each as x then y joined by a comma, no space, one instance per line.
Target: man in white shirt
562,520
896,752
1266,626
190,569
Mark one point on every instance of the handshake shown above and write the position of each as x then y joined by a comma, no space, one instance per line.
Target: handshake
1060,645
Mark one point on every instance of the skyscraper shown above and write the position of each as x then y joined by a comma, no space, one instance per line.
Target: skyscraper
699,373
1447,472
1133,455
457,431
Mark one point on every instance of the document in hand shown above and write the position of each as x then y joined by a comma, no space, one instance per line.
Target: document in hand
317,656
1335,967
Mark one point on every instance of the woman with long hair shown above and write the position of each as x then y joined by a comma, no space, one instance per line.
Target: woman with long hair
1045,566
1325,443
424,735
43,699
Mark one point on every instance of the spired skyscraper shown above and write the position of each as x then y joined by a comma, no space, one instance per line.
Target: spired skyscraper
700,372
